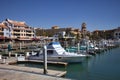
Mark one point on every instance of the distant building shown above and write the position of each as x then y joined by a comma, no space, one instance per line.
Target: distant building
55,30
117,33
55,27
104,34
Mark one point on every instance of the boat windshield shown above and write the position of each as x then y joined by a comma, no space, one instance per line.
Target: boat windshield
49,52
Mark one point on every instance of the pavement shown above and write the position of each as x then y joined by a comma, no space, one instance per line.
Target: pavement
18,75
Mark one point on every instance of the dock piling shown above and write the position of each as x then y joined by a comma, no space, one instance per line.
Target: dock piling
45,60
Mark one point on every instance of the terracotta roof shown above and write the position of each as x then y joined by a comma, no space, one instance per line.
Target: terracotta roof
16,23
3,25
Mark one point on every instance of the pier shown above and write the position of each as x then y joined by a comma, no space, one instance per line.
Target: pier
6,74
32,73
13,60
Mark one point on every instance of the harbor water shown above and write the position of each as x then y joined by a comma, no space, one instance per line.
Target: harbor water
103,66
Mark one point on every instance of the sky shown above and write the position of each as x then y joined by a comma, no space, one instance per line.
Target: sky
97,14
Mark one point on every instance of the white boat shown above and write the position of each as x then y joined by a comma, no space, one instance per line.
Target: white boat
55,52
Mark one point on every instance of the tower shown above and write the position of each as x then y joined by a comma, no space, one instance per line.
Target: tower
83,29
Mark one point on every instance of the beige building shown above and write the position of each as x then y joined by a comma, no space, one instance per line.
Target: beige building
17,30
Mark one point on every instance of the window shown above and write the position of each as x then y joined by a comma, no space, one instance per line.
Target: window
49,52
2,29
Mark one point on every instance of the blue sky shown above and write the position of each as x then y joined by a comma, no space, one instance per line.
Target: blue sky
97,14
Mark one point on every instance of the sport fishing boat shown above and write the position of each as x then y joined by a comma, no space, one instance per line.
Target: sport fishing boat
55,52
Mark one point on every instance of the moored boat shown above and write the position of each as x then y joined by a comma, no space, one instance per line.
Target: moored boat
55,52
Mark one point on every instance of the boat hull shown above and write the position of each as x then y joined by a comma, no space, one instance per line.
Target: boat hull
68,59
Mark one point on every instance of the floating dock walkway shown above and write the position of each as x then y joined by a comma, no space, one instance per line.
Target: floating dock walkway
11,72
13,60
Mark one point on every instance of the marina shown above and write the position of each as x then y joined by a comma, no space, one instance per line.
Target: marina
53,60
103,66
60,40
75,70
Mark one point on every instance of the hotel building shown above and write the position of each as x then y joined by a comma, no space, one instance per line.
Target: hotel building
16,30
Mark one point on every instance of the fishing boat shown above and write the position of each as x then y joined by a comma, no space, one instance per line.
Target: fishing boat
55,52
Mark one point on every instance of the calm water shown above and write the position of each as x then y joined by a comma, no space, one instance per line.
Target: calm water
104,66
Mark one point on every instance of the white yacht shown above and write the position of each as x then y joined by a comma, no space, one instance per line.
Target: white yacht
55,52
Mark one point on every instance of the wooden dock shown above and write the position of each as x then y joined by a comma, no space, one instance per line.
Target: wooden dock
48,62
28,70
13,60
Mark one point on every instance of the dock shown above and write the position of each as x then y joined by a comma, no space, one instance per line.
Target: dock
48,62
13,60
33,73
